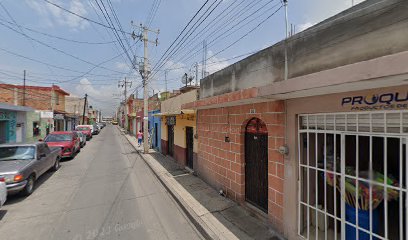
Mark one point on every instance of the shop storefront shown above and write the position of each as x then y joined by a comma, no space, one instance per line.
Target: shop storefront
155,130
349,153
13,123
59,122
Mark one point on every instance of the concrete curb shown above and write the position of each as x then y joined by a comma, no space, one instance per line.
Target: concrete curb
206,223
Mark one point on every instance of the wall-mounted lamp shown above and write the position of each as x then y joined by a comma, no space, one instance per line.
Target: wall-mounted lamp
284,150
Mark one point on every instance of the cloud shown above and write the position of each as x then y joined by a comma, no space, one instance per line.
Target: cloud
53,16
304,26
122,66
100,97
319,10
215,64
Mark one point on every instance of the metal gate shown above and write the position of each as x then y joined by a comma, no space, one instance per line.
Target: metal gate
256,164
353,175
190,145
170,134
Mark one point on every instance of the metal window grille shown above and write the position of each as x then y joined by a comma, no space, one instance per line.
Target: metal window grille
339,152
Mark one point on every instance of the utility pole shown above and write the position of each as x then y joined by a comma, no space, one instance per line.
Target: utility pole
24,88
204,64
165,82
125,83
145,72
285,3
196,74
85,102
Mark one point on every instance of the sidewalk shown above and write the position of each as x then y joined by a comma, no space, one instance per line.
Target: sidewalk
215,216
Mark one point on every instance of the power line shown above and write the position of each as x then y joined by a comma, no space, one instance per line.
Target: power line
246,34
152,12
58,50
112,9
193,28
182,31
58,37
115,32
108,32
222,25
236,26
85,18
59,67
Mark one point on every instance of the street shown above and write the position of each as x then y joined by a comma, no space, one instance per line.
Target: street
106,192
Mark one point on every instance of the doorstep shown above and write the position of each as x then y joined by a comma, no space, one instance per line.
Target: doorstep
215,216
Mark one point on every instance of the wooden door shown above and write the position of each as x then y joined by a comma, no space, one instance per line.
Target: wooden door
256,164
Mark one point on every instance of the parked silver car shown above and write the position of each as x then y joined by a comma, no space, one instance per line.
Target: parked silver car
82,137
22,164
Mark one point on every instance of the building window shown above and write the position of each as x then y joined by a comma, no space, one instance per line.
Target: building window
353,176
57,98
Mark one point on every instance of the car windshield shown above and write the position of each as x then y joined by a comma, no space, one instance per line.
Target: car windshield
83,128
58,138
16,153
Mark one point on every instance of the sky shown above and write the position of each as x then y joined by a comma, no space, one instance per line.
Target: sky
80,56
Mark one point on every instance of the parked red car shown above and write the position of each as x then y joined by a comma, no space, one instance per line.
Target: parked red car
68,141
87,131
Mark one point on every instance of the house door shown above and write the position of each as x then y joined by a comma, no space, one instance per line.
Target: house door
156,139
19,133
189,145
256,164
170,140
3,132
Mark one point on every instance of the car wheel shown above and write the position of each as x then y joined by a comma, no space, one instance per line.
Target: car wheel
29,187
57,164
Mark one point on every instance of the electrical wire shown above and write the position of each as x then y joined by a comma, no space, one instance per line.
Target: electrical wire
58,50
115,32
182,31
224,14
236,27
56,37
85,18
192,29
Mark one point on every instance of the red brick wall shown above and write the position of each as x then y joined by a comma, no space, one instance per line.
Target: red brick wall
39,99
222,164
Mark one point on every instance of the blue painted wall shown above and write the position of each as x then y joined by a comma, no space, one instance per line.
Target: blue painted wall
11,122
152,121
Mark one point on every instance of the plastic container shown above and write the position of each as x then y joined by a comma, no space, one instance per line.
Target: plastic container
363,222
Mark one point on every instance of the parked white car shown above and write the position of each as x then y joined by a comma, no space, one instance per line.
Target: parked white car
3,193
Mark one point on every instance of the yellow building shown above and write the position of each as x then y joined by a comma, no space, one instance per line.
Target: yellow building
178,128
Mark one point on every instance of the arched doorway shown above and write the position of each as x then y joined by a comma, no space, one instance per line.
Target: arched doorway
256,164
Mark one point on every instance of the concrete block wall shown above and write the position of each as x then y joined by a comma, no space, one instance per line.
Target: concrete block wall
222,164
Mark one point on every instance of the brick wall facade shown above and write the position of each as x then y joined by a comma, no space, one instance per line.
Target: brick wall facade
38,98
222,164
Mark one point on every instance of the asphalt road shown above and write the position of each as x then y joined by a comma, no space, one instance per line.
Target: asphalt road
106,192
